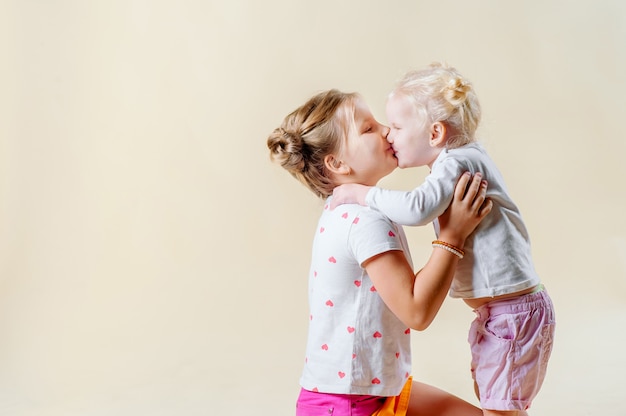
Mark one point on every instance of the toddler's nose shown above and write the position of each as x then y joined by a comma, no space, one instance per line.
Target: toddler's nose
386,131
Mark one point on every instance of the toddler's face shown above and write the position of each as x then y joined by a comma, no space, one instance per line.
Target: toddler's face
409,133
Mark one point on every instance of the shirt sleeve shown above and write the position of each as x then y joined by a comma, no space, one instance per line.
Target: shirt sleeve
373,234
423,204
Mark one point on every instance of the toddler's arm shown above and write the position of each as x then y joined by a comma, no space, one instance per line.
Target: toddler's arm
418,207
423,204
349,193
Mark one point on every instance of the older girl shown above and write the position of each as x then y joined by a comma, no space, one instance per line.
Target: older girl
363,294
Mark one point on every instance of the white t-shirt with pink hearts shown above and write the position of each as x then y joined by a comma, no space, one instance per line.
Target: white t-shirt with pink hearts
355,345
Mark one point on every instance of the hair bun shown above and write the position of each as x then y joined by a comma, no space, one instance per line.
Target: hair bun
286,148
456,90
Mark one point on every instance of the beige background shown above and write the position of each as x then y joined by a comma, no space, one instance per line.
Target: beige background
153,260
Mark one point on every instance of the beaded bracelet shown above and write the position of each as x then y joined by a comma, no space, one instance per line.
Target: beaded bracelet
449,247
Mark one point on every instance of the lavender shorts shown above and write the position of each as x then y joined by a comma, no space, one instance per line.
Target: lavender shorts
511,341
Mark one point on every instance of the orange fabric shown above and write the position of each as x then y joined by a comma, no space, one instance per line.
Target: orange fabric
397,405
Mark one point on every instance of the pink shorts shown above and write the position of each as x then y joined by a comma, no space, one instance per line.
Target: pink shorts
511,341
318,404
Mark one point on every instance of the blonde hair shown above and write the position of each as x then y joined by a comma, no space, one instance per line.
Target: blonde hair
441,93
313,131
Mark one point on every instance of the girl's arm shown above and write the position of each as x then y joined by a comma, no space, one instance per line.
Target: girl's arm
416,299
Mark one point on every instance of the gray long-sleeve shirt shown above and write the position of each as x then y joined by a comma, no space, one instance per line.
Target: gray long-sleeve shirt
497,255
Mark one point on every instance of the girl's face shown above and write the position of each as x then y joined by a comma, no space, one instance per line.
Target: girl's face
409,134
367,152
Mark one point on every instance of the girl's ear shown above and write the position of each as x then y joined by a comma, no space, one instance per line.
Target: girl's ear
437,134
336,166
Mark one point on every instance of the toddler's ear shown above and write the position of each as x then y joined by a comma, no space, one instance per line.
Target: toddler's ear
437,134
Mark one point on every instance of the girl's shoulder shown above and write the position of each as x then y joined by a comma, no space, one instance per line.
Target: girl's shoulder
354,214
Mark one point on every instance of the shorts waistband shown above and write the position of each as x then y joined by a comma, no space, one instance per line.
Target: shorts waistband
521,303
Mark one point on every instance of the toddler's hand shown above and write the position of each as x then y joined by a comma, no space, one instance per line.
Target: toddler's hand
349,193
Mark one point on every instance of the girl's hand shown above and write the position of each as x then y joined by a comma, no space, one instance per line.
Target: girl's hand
468,208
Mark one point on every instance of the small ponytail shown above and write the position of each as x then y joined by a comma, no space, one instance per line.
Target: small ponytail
456,90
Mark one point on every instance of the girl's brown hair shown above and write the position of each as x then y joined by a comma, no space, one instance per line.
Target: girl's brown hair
314,130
